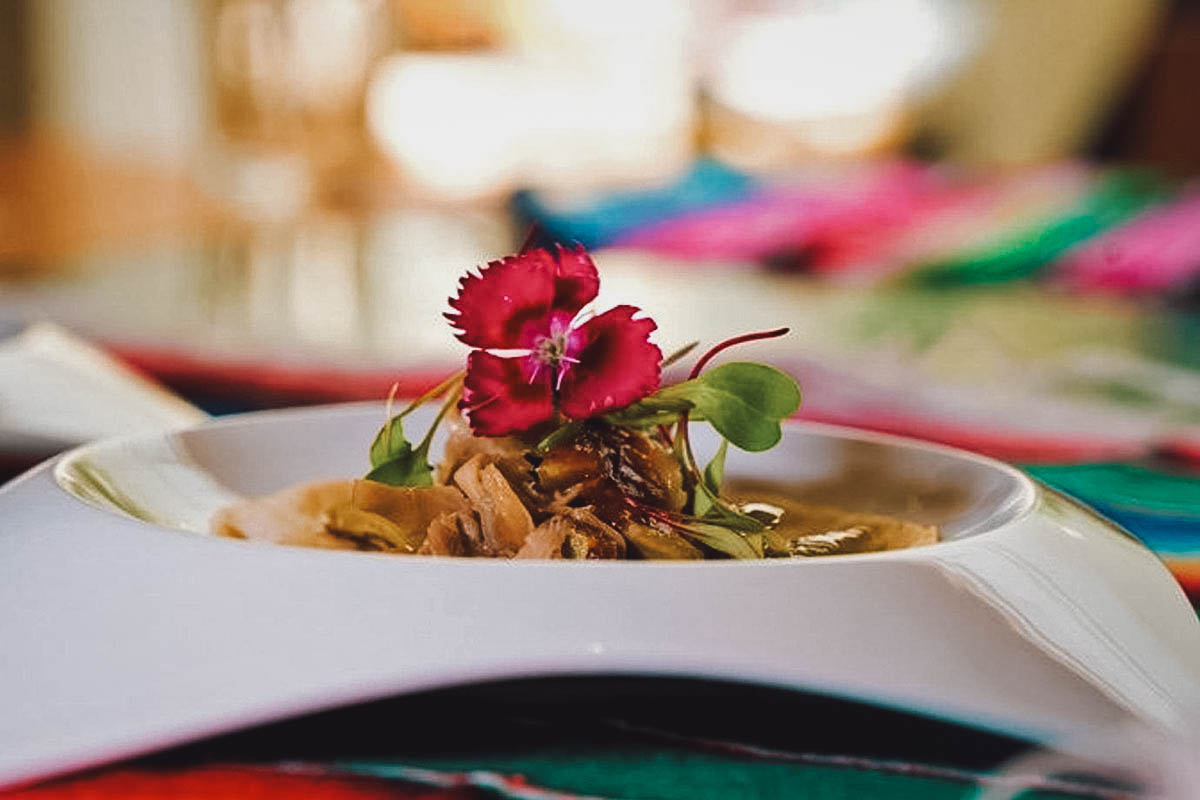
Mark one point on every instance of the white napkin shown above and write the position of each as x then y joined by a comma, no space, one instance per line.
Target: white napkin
57,390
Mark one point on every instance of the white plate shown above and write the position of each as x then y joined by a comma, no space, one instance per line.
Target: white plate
121,636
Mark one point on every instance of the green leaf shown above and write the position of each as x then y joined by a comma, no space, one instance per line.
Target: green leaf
714,473
745,401
390,443
406,468
395,462
720,513
737,545
710,488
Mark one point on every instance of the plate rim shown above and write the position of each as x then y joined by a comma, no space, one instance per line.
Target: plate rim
1026,501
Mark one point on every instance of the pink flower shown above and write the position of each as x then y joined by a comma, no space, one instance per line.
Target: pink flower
535,355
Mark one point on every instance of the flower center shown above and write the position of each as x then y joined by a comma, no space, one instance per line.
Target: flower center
551,350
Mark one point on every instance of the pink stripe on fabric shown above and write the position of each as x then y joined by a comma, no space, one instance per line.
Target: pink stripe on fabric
1155,251
1019,446
793,217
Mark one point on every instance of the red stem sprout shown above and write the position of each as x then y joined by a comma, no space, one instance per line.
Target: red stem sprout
745,337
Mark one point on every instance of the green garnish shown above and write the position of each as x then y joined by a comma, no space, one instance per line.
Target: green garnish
745,402
394,460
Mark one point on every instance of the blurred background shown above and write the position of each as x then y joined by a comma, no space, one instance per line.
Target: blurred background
979,217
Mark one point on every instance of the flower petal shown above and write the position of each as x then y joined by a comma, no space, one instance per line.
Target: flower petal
499,307
617,364
495,306
503,395
576,281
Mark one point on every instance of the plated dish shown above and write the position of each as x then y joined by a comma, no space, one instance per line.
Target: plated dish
564,444
606,493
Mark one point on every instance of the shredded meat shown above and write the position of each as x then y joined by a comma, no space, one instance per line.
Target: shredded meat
546,540
505,522
451,535
360,515
462,446
573,533
410,507
293,516
607,468
604,492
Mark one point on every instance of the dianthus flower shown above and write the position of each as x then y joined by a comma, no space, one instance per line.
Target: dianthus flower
536,355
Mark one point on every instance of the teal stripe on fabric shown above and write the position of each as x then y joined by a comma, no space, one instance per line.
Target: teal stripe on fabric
1117,197
598,223
1169,537
1124,485
658,773
1159,507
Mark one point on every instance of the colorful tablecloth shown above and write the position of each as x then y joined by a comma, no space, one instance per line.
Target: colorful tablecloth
621,738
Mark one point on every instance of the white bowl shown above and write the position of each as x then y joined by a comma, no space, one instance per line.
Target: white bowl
123,635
